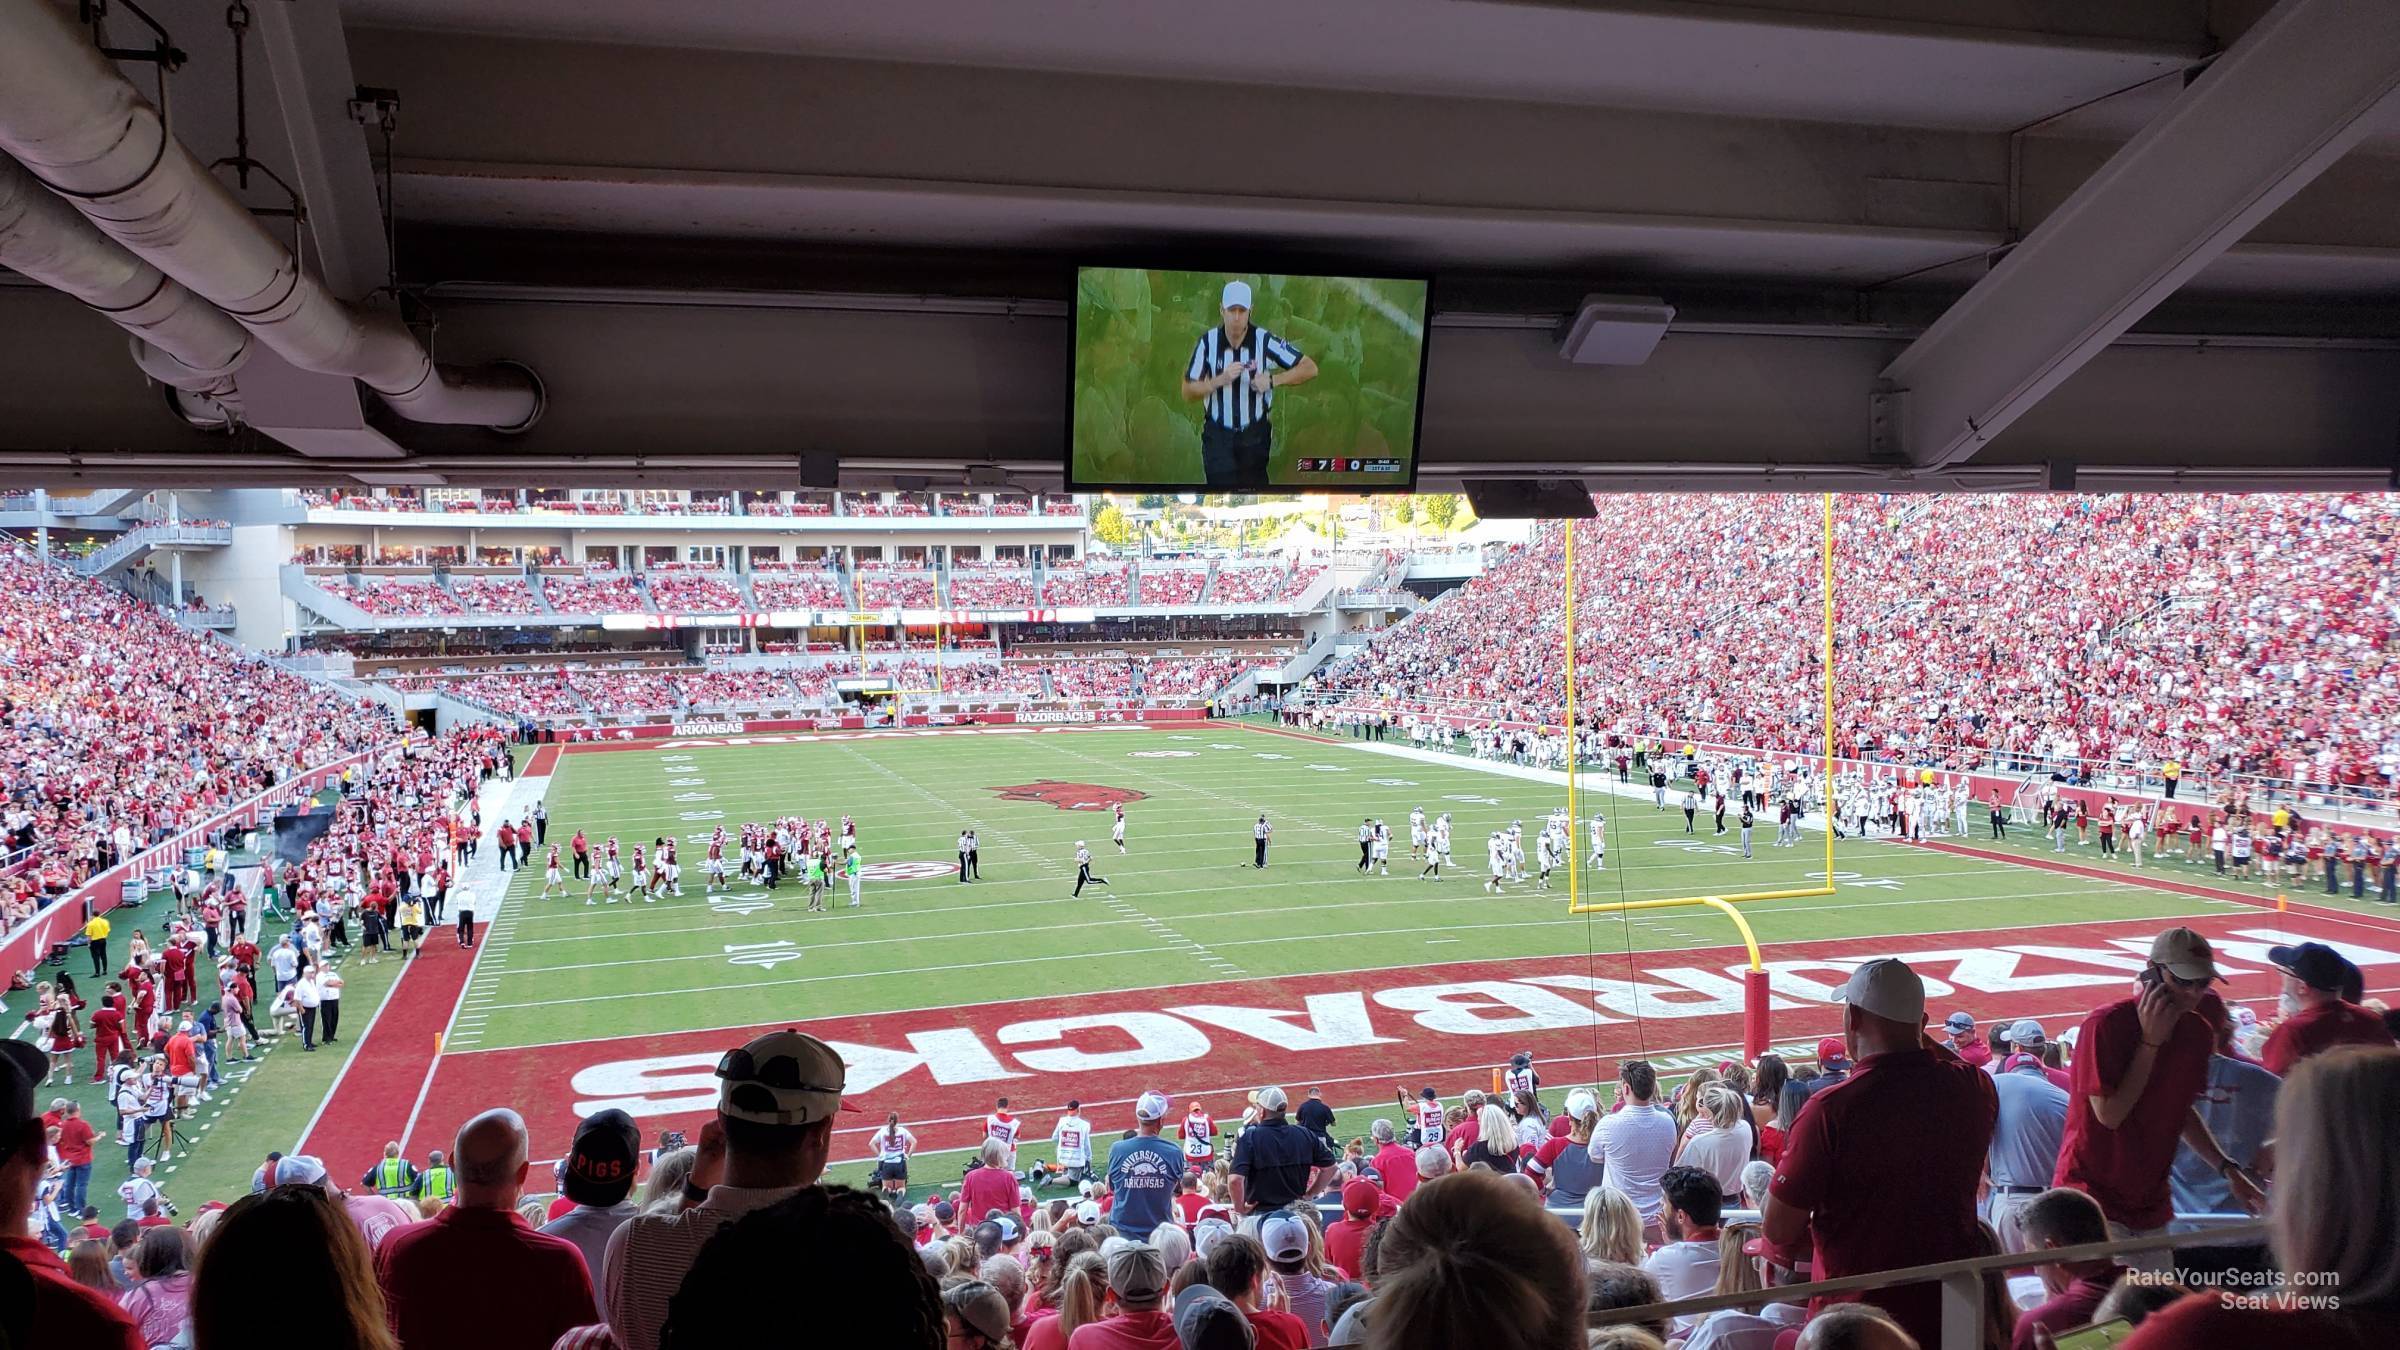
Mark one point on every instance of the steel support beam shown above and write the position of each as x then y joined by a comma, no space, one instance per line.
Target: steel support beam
308,61
2283,104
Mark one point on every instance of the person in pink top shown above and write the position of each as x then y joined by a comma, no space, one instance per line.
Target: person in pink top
989,1187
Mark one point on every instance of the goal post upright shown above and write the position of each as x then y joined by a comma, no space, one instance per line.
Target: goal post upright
1755,993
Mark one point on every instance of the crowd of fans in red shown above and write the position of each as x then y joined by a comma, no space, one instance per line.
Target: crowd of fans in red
2247,634
1492,1220
118,727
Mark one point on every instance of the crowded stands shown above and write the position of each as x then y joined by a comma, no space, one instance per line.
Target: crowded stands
80,664
991,588
1508,1219
1258,584
1975,630
614,693
602,593
881,588
495,595
395,597
811,587
1090,583
1172,584
692,593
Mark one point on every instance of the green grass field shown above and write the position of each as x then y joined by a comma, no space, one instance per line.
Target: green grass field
1183,906
569,1006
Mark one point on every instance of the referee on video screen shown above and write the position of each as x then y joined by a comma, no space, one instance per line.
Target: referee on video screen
1234,372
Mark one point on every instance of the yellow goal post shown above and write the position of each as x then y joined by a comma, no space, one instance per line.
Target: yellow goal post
1726,904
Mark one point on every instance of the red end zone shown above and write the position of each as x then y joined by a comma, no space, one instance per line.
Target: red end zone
1358,1035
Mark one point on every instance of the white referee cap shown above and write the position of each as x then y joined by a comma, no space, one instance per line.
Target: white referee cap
1236,293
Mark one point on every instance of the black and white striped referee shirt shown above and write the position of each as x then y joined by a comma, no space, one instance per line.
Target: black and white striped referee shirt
1236,406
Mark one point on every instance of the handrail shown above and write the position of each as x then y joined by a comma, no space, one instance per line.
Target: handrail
1962,1307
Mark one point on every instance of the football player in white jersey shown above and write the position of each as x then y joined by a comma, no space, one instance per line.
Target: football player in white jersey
1546,855
1496,853
1416,832
1516,850
1116,828
1380,850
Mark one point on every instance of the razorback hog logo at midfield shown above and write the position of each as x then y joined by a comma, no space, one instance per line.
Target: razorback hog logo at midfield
1070,796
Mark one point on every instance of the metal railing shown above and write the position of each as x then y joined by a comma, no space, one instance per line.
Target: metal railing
1961,1281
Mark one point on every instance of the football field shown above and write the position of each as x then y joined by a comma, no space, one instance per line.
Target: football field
1191,971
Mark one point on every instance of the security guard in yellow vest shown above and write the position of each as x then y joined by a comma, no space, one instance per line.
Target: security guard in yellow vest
393,1176
437,1181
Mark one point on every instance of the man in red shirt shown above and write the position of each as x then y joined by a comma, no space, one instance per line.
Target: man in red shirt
1911,1108
1346,1237
75,1135
1394,1161
108,1035
2139,1066
437,1275
2315,1016
64,1312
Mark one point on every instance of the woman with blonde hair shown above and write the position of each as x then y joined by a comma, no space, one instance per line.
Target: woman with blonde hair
662,1191
2333,1219
1080,1298
1495,1140
1724,1138
1689,1119
1612,1227
1471,1262
324,1282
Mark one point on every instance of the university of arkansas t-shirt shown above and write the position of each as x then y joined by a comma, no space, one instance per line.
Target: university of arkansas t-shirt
1143,1173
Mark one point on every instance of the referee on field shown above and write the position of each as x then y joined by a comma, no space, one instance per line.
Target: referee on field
1234,372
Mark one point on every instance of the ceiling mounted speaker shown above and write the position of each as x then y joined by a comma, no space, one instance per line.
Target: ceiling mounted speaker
1530,499
1616,330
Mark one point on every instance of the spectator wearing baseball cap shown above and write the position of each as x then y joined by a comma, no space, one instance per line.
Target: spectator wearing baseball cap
377,1216
829,1253
1137,1285
777,1097
2027,1042
438,1275
1833,1066
2140,1063
1286,1236
1963,1040
1276,1162
1207,1320
1346,1237
1143,1173
2031,1125
2316,1017
63,1312
1237,1268
598,1177
1912,1108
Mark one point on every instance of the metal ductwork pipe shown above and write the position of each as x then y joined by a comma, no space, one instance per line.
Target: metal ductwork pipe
77,124
179,339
